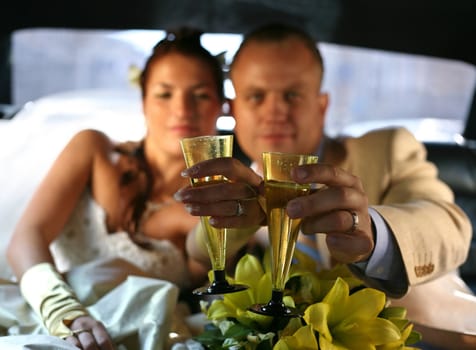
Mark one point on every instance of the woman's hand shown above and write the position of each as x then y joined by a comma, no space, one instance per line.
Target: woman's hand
89,334
339,209
229,204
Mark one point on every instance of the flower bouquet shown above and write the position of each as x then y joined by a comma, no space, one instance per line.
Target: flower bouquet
339,312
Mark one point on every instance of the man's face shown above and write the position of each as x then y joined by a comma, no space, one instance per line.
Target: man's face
278,104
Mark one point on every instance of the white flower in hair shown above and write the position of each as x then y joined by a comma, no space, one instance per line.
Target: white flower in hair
133,75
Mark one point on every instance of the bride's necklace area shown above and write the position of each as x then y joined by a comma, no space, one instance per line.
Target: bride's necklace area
152,207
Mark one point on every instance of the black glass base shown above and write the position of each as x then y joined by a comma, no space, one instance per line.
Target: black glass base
275,307
219,289
274,310
220,286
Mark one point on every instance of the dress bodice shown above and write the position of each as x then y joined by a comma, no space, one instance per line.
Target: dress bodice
85,238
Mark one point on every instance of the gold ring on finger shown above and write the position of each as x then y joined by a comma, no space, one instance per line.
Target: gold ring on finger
355,221
77,332
239,208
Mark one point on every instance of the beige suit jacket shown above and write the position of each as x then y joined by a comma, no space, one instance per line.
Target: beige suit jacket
433,234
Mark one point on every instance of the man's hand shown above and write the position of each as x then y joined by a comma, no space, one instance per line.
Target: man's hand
339,208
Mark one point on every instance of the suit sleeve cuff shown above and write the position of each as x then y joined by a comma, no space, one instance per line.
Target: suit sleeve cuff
385,263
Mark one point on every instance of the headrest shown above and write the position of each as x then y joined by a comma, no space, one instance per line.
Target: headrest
456,166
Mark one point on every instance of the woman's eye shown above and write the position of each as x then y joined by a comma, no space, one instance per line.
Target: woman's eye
201,96
163,95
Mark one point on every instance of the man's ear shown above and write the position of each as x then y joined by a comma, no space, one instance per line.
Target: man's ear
231,107
323,102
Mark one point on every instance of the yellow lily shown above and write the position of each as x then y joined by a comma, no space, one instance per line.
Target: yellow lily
310,283
249,271
351,321
303,338
335,318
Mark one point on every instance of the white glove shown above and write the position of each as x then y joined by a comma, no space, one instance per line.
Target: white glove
51,298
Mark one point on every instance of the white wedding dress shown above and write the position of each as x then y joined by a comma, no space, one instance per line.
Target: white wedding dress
131,290
85,238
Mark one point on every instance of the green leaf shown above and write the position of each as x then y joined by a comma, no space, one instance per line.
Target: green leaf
413,338
211,336
401,324
238,331
393,312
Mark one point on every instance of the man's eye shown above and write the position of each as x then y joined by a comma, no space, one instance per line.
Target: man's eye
255,98
291,96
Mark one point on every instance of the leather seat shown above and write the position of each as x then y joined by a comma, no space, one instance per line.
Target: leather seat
457,168
450,326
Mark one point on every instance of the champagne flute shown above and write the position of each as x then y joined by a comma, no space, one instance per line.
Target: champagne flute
282,230
197,149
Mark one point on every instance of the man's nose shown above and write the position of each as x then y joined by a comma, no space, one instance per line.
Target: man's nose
276,108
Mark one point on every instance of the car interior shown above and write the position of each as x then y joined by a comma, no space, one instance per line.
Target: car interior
388,63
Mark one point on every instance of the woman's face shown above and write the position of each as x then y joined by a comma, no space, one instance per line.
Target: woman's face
180,100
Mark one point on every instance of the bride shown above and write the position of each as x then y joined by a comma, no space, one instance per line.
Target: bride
105,200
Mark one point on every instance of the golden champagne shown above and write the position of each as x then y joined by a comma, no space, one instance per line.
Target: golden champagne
216,244
195,150
283,231
215,237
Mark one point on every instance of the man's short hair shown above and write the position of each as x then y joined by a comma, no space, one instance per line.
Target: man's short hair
276,32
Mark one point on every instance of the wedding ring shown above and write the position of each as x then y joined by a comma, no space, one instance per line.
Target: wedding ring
355,221
77,332
239,208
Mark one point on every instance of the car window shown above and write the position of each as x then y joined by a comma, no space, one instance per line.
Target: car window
368,88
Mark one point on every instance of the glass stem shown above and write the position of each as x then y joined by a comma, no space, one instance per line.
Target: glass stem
219,277
277,297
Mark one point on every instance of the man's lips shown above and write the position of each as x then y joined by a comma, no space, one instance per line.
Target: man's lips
275,136
183,129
